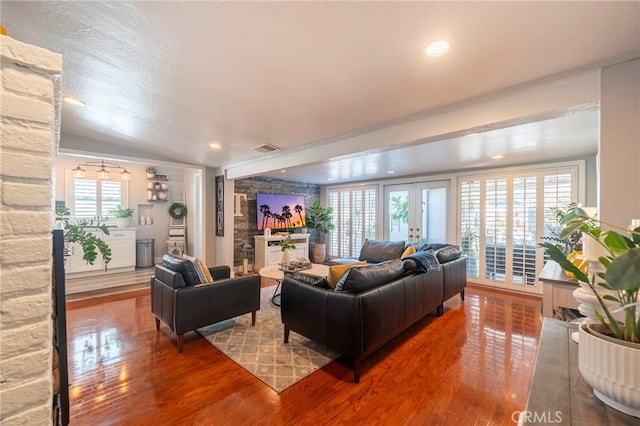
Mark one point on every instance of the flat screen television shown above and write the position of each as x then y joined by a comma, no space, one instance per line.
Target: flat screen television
280,211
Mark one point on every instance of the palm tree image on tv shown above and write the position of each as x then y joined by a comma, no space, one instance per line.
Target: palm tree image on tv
278,211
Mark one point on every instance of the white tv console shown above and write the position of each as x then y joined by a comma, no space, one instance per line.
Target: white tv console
268,250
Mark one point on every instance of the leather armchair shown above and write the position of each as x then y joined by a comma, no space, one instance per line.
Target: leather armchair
185,307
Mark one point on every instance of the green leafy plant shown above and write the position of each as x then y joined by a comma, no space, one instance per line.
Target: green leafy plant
571,242
621,265
287,243
82,233
321,219
121,212
151,169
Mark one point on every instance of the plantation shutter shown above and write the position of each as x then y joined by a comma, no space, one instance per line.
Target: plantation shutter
558,192
354,219
495,229
470,224
85,198
524,233
111,191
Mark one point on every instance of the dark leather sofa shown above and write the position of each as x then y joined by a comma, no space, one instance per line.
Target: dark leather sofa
374,309
184,305
450,257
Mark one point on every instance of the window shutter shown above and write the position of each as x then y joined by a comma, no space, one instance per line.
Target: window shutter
354,218
524,232
470,224
495,229
86,198
111,195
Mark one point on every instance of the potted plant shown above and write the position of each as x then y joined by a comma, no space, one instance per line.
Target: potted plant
286,245
610,342
122,215
82,232
151,172
321,219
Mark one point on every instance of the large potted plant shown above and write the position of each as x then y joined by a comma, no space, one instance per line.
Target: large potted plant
82,232
609,351
122,215
321,219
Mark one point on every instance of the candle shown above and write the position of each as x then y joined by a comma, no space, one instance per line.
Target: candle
245,265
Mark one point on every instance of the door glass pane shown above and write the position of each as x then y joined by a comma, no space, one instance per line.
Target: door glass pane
398,203
433,223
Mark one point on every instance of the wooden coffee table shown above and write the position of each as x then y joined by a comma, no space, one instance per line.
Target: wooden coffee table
275,273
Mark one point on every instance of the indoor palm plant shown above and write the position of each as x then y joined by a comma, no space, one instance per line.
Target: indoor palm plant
611,342
321,219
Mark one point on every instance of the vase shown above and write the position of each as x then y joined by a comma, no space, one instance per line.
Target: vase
611,367
318,253
122,222
286,257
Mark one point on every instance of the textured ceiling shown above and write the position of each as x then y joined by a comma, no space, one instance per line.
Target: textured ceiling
168,78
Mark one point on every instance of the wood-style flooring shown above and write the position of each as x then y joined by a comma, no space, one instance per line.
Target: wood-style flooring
472,366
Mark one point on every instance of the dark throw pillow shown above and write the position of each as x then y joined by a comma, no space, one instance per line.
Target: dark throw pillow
362,278
374,251
449,253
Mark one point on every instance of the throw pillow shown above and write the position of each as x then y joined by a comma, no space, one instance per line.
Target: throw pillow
197,268
207,275
363,278
337,271
375,251
408,251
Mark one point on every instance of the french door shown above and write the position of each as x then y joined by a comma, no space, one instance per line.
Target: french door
416,212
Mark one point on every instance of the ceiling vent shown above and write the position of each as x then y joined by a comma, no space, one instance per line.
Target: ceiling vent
265,148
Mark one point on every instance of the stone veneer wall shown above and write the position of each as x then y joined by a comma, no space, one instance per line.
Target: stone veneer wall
245,225
29,127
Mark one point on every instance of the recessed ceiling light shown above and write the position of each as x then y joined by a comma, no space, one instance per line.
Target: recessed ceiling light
390,172
330,179
497,157
283,171
74,101
437,48
215,145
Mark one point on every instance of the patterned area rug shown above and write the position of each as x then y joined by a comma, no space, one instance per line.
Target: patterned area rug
260,349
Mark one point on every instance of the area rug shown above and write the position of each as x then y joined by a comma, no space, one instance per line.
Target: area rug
260,349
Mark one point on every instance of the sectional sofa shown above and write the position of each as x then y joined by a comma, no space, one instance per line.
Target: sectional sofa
372,303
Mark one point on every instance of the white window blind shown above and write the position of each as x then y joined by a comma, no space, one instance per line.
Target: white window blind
469,207
354,219
91,197
502,218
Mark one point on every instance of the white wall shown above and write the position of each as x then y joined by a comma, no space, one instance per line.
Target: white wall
158,210
619,148
30,99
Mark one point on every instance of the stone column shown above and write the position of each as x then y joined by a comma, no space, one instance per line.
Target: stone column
29,133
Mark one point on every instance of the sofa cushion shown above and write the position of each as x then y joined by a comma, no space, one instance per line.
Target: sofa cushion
308,279
337,271
425,260
449,253
184,266
362,278
374,251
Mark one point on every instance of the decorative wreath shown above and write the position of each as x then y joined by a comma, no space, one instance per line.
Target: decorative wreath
178,210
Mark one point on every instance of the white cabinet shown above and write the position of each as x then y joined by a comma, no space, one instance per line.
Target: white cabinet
121,241
268,251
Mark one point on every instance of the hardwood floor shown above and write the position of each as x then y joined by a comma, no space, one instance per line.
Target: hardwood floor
471,366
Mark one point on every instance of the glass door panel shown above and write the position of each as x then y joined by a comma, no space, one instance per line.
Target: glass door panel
416,212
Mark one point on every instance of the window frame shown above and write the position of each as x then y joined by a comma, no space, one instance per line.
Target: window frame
70,200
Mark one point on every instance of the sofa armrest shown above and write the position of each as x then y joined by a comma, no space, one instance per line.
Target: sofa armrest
219,272
324,316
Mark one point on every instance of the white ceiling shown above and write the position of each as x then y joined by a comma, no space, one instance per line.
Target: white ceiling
165,79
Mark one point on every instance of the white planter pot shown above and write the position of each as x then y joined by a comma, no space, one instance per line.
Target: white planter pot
122,222
286,257
612,368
